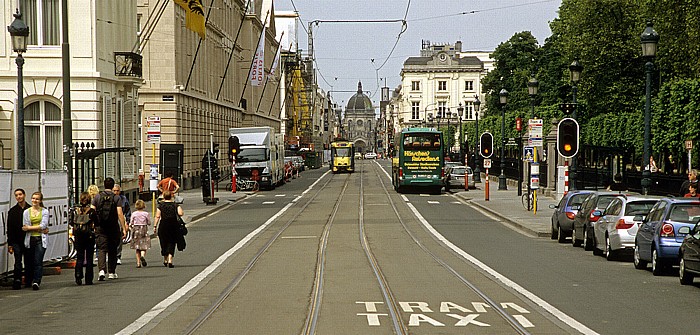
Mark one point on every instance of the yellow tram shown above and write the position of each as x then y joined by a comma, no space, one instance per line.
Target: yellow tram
342,156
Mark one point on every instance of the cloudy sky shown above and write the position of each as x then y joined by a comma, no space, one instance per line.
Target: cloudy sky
350,52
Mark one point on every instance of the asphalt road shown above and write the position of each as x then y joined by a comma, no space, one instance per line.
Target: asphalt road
274,296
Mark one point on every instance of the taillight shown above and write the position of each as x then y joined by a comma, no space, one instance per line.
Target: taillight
667,230
401,172
570,215
622,224
592,217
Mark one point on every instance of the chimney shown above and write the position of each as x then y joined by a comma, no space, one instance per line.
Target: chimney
458,46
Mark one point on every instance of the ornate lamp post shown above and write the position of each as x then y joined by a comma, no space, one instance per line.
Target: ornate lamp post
532,86
477,171
503,98
460,112
19,32
650,40
575,70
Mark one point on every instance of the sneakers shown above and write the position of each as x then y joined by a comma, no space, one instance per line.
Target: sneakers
113,276
143,261
119,261
101,277
35,286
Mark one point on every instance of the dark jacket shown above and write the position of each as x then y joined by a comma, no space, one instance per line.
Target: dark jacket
15,234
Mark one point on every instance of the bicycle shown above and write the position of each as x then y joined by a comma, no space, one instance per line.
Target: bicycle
529,200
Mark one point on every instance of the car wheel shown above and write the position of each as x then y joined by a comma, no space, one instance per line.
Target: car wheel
555,232
609,253
685,277
574,241
561,237
657,265
638,262
587,240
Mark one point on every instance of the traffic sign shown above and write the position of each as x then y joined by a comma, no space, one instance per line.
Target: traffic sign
534,136
529,153
688,144
153,129
487,163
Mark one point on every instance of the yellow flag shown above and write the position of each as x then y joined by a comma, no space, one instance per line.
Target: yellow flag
194,18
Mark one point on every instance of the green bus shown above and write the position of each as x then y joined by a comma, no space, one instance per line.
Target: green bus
418,160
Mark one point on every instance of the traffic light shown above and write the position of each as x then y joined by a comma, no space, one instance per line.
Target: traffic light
568,108
567,137
234,147
486,145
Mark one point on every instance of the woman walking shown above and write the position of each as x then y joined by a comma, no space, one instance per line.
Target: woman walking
83,224
140,240
168,227
36,224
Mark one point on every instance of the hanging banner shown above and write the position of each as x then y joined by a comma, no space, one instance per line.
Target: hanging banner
257,72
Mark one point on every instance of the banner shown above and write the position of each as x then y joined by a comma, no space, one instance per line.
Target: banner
257,72
54,186
277,59
194,19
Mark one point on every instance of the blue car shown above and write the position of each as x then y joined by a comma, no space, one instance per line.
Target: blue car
564,213
659,237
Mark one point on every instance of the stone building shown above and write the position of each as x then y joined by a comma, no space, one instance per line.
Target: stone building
360,122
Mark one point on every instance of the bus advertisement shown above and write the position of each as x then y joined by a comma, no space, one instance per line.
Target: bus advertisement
418,160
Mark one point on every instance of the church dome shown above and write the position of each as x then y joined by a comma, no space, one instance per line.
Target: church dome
359,101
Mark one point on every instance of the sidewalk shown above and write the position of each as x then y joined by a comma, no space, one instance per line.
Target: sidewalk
195,208
507,205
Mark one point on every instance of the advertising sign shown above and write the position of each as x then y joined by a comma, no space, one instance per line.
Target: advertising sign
153,129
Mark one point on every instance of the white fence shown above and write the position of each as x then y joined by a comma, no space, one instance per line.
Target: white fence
54,186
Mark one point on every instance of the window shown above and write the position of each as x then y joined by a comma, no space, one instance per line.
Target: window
415,85
442,108
43,138
469,110
43,19
468,85
442,85
415,110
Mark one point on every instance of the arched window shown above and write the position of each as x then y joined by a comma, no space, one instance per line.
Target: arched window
42,136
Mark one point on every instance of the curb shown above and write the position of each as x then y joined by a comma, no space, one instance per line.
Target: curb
506,219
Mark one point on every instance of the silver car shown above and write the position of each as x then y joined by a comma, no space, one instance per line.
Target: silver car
616,229
454,177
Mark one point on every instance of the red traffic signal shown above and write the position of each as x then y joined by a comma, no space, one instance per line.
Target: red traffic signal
234,147
518,124
568,137
486,145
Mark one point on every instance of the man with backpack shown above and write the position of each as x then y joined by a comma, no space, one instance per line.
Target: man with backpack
109,221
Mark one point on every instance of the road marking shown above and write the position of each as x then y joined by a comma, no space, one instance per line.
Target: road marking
268,202
503,279
196,280
404,197
424,195
297,237
280,195
432,202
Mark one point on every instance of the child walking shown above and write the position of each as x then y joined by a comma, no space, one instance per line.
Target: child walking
141,241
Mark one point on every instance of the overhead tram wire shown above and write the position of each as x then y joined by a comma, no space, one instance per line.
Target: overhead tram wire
479,11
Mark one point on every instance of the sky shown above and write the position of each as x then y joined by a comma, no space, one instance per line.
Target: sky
347,53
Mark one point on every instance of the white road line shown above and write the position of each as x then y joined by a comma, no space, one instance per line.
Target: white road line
196,280
433,202
503,279
404,197
268,202
280,195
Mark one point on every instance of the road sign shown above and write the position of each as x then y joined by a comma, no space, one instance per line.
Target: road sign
688,144
487,163
534,136
529,154
153,129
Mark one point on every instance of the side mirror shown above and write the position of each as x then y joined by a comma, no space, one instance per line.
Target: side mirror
684,230
597,213
553,206
576,207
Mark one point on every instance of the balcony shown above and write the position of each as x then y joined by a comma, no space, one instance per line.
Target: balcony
127,64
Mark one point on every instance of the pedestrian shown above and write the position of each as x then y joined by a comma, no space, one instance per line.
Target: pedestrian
93,190
618,184
15,237
168,227
83,225
168,183
140,240
117,190
692,191
109,219
35,224
692,178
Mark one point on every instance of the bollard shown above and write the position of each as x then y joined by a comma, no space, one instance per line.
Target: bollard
486,192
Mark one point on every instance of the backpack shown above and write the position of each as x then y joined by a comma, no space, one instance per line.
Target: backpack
81,221
106,210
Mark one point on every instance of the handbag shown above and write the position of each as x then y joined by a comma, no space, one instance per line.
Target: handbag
182,227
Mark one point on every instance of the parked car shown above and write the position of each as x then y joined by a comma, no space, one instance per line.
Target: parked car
564,213
370,155
659,237
358,155
689,255
591,210
617,228
454,177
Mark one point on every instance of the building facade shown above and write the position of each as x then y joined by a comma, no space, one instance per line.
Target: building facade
360,122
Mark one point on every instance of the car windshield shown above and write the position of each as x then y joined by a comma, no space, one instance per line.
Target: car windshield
341,152
604,200
252,155
639,207
457,170
687,213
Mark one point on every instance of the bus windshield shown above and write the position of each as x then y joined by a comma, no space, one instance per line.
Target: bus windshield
421,142
341,152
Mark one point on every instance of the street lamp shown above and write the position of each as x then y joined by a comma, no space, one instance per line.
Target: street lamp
460,112
503,96
532,86
650,40
19,32
477,171
575,70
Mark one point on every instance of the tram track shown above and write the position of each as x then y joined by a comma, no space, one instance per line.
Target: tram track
197,323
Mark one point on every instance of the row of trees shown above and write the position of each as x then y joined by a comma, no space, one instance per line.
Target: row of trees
604,36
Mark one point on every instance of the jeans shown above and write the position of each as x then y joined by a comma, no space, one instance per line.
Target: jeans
35,266
19,252
107,243
85,248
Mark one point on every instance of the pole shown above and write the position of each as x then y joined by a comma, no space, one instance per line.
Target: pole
20,113
267,78
477,171
646,173
502,177
574,161
196,53
252,59
153,193
486,190
67,122
230,56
